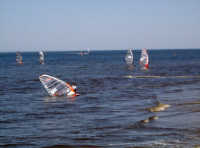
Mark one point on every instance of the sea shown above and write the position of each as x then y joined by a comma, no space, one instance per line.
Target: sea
114,100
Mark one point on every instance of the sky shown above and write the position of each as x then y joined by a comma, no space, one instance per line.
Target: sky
32,25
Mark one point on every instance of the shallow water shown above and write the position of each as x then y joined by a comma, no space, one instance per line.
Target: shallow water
114,99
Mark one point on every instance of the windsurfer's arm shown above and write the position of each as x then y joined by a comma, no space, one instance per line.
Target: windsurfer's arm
72,91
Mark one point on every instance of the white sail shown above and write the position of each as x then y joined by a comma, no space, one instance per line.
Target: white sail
88,50
55,86
144,59
129,57
18,58
41,54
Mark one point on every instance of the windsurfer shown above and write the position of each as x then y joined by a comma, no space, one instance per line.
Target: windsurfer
72,91
75,88
41,59
19,58
144,59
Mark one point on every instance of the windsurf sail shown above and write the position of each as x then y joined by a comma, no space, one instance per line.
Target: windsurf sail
144,59
129,57
88,50
41,59
56,87
18,58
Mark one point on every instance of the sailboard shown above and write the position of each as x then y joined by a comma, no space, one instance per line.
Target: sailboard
144,59
129,57
41,59
56,87
19,58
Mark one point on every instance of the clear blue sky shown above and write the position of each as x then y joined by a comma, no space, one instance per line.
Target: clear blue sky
98,24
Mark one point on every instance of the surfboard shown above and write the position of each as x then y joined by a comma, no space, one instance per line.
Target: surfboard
55,86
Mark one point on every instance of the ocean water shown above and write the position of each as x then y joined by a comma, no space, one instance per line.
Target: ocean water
114,99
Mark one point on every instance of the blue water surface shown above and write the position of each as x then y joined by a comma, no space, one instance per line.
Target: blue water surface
114,99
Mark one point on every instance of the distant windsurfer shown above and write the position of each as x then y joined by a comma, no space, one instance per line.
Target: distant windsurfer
41,59
19,58
144,59
129,57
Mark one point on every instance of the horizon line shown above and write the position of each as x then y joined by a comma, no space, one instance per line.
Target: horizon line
76,50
